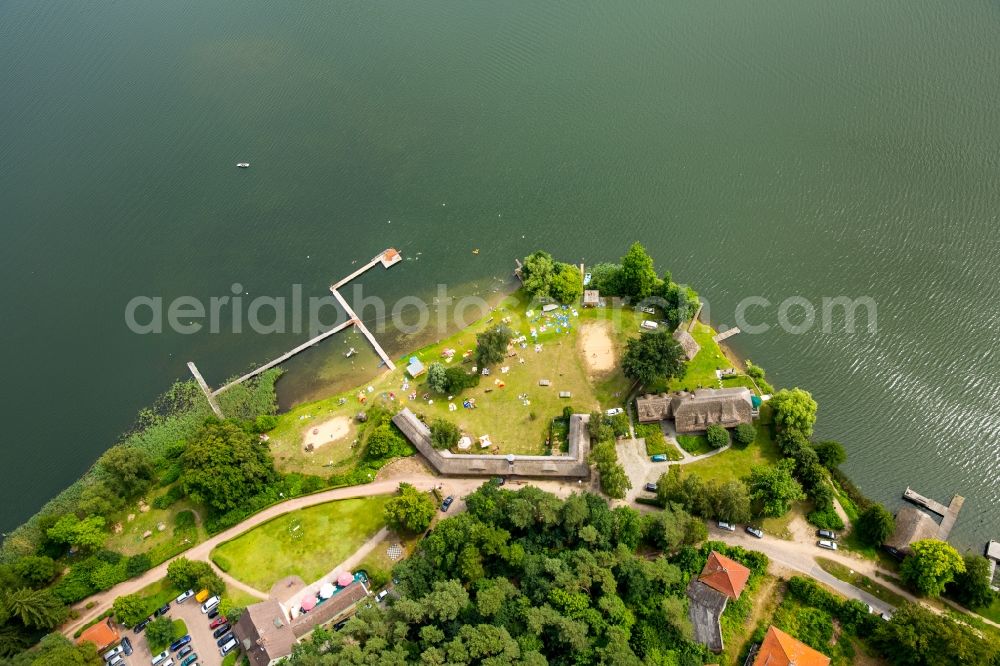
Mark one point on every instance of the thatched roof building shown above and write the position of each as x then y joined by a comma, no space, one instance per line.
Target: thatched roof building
687,343
574,464
694,412
912,524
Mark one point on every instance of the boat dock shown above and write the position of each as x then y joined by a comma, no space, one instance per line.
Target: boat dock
726,334
948,513
387,258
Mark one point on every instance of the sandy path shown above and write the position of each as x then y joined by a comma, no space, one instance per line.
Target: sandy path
598,347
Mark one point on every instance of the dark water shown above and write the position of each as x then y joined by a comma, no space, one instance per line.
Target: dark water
773,148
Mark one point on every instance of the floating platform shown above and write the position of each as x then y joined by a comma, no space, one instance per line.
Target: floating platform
948,513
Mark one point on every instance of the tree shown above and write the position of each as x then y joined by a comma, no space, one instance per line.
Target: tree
36,570
37,609
831,454
931,565
774,488
444,434
185,574
86,534
537,272
744,434
384,442
410,511
437,377
491,345
614,481
130,609
875,525
731,502
916,636
57,650
717,436
459,380
638,277
794,409
160,631
606,278
566,285
653,356
972,588
130,470
224,466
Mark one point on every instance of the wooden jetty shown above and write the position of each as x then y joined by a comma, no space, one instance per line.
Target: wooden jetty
387,258
948,513
719,337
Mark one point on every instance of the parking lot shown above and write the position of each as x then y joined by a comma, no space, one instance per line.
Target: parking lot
201,637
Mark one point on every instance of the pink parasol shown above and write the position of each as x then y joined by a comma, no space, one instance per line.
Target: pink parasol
345,579
308,603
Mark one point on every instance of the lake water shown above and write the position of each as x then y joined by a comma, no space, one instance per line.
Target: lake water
775,149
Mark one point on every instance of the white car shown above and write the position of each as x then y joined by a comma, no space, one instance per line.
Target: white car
381,595
160,657
209,605
112,653
826,543
729,527
615,411
184,596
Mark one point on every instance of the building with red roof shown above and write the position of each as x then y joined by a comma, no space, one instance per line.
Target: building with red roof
780,649
103,635
720,580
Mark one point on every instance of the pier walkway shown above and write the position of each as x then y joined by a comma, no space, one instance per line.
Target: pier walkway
387,258
948,513
726,334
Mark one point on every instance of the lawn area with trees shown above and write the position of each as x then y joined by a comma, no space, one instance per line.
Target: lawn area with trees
307,543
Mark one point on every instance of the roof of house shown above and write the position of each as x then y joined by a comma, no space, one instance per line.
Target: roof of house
912,524
725,575
696,411
780,649
265,632
101,634
687,343
705,607
993,550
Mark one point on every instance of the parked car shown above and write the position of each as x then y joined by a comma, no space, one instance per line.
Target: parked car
756,531
217,622
615,411
228,647
162,610
729,527
180,642
160,657
651,487
127,646
340,625
214,613
113,652
381,595
222,630
117,660
201,596
185,651
659,457
184,596
225,639
826,543
189,660
210,605
142,625
826,534
447,502
168,662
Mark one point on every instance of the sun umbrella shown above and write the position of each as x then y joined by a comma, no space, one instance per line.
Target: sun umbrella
326,591
308,602
345,579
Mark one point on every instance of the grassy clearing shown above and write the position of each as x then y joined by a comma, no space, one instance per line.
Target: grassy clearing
656,441
307,543
991,613
735,463
700,372
377,563
162,545
735,636
779,526
694,444
860,581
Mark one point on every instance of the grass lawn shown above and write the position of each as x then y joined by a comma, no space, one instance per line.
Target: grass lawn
865,583
765,598
991,613
162,545
307,543
694,444
377,563
735,463
700,372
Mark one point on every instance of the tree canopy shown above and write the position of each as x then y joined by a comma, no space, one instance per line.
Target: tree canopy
972,586
411,510
444,434
931,565
773,487
491,345
224,466
638,277
875,525
794,409
537,271
916,636
653,356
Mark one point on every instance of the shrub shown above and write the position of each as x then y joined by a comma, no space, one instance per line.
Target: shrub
459,380
826,519
830,453
744,434
137,564
717,436
444,434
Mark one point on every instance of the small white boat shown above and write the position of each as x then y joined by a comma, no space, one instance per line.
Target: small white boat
243,165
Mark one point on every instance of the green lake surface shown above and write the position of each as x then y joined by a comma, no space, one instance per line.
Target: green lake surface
776,149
